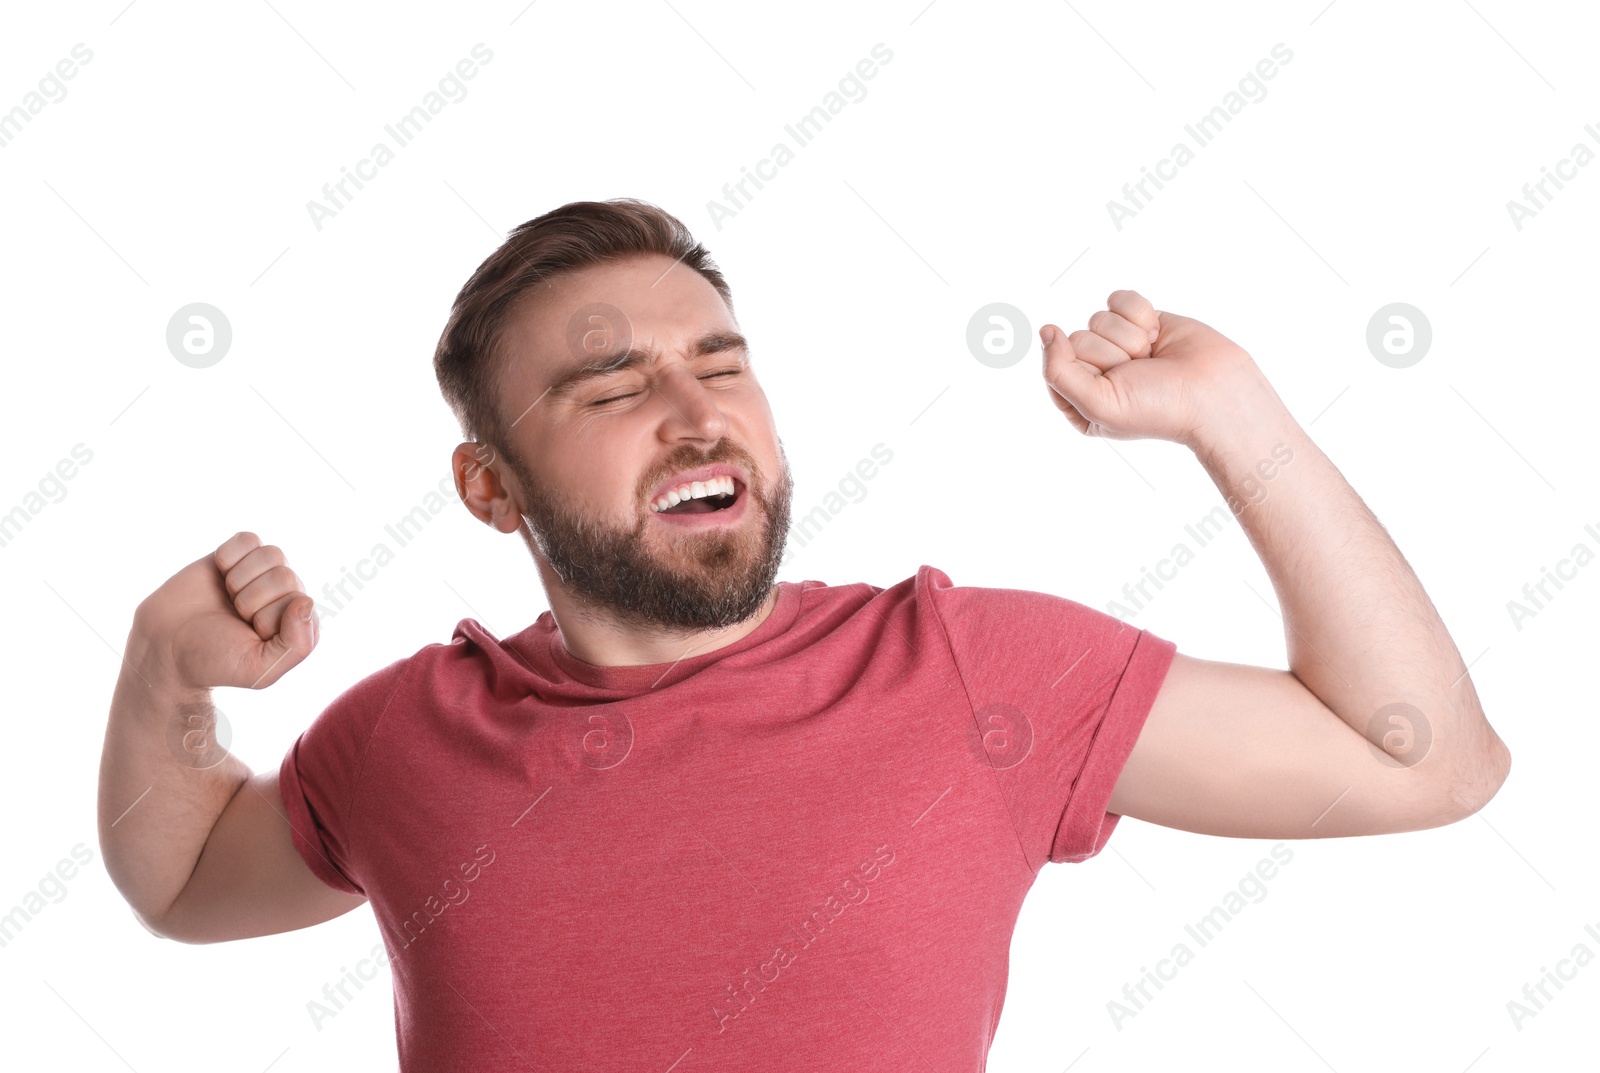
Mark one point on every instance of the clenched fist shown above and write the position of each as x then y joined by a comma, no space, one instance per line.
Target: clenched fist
236,617
1141,373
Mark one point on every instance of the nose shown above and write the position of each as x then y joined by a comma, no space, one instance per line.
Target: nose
692,410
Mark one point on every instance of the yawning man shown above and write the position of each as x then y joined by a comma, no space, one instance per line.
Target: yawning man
695,818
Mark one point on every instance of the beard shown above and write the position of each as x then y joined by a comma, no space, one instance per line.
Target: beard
676,581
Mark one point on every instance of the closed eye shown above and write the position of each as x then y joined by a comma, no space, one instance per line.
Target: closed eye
631,394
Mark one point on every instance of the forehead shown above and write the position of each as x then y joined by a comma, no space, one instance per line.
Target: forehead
665,304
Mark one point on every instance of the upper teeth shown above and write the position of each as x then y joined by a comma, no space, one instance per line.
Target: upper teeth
716,486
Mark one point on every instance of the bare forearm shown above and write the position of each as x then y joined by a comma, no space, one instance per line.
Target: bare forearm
163,783
1361,632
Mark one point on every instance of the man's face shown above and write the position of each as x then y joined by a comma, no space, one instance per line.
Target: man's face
590,453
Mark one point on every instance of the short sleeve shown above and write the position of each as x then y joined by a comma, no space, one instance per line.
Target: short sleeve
1059,693
321,773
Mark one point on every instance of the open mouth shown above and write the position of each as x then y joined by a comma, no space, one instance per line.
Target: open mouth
714,500
707,505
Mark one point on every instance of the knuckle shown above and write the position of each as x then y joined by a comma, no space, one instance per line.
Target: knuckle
1134,302
236,547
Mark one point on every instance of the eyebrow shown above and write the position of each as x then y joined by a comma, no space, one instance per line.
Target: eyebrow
568,382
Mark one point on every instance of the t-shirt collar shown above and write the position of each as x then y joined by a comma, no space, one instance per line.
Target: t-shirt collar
653,675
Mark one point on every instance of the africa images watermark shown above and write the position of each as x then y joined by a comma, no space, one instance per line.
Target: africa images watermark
51,90
808,525
452,892
1535,595
364,972
1202,132
1203,531
53,886
337,595
737,998
1566,168
851,90
402,132
51,489
1137,996
1535,996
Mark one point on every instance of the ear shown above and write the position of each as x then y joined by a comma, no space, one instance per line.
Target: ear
477,468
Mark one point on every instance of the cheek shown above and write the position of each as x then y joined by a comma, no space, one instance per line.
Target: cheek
595,465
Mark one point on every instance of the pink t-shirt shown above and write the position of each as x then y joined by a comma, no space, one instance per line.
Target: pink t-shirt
806,850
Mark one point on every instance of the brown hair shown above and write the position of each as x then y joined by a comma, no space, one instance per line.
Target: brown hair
468,360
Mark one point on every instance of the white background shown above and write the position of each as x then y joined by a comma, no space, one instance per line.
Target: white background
976,169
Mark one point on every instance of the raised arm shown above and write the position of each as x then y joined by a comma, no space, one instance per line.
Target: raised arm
195,843
1376,726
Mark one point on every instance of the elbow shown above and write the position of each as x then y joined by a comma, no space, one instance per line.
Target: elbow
151,924
152,918
1478,780
167,923
140,907
174,928
157,924
162,930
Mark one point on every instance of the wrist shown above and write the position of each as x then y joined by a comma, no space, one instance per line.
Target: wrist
147,667
1241,420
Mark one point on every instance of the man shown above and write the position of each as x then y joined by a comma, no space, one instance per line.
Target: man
695,818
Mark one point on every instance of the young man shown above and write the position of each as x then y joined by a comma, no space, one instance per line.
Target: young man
696,818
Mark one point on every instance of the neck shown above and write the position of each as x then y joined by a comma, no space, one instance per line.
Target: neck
597,636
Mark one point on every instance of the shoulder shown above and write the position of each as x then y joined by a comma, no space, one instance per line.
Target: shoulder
978,611
1001,637
361,705
929,595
